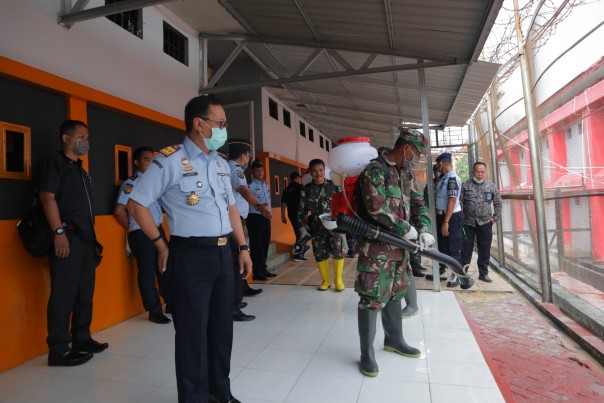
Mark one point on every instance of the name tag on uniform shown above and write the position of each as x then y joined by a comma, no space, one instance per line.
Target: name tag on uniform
489,196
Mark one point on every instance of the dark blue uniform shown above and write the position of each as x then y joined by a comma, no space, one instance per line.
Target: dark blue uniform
195,191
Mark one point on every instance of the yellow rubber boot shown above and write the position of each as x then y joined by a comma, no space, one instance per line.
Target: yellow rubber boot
324,270
338,268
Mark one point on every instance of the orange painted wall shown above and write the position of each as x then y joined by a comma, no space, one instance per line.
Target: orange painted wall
27,280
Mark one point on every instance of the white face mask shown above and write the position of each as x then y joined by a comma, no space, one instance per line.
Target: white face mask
479,181
414,160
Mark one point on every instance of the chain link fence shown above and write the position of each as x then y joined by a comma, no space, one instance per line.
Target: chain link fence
566,68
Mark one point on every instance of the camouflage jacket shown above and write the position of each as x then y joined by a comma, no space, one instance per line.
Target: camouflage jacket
315,199
395,205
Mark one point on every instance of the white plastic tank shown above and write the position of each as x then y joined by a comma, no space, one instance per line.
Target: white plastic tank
351,155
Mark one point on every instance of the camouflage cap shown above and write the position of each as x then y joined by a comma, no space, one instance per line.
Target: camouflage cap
415,138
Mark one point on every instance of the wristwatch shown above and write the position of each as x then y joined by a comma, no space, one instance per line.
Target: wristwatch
59,231
244,247
258,206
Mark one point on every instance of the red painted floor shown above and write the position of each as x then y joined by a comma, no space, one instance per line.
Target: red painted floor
530,358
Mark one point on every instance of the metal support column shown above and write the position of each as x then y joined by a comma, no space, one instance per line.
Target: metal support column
535,152
495,179
472,147
426,129
203,63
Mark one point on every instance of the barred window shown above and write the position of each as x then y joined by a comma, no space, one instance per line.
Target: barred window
176,44
131,21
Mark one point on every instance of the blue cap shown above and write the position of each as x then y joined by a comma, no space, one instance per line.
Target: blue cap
444,155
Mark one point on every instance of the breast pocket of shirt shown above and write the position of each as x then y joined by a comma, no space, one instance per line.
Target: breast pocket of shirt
192,189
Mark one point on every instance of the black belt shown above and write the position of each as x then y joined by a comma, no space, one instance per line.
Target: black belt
202,240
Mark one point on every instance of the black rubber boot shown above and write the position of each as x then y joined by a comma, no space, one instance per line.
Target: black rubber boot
367,321
392,321
411,300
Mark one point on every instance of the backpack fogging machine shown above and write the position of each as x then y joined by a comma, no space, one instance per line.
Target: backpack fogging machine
345,170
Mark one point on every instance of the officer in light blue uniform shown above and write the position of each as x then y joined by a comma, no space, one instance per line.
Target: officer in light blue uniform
142,248
240,151
259,222
192,182
449,217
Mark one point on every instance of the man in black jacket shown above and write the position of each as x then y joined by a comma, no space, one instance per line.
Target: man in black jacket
66,195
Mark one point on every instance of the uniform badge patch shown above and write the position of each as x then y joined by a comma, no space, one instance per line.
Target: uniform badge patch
188,168
199,184
452,185
241,175
192,199
128,189
184,161
167,151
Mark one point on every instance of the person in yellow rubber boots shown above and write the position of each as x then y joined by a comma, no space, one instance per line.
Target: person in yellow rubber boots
315,199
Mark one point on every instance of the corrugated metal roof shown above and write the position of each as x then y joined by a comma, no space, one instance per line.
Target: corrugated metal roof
349,38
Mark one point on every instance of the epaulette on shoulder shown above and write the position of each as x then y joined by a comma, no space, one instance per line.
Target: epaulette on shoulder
133,177
224,157
167,151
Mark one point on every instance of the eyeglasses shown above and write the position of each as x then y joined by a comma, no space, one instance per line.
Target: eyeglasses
222,124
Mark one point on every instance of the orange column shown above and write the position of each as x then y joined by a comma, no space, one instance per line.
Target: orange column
76,110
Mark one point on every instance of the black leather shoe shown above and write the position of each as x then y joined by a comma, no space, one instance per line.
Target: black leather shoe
89,346
259,277
68,358
485,278
242,305
230,399
269,274
159,318
250,292
239,316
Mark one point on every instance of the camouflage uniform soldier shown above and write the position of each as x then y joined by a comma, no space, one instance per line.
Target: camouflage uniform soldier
316,199
383,272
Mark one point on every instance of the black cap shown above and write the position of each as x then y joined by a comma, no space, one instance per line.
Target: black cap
257,164
238,144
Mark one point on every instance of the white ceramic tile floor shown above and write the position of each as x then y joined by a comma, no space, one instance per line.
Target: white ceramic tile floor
303,347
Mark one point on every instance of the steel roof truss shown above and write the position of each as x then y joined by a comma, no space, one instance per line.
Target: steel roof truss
103,11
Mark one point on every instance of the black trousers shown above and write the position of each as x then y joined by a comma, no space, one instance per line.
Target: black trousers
71,290
293,219
484,236
145,253
200,284
239,284
259,230
453,243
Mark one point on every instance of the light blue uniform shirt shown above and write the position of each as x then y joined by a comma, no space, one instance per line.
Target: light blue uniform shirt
238,179
125,192
448,186
260,190
193,188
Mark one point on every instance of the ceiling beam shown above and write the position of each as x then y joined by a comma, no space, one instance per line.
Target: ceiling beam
103,11
227,63
307,63
335,46
322,76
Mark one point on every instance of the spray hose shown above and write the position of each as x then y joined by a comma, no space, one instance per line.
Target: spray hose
368,231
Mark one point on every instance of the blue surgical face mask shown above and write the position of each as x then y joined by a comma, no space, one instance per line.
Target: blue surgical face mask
219,137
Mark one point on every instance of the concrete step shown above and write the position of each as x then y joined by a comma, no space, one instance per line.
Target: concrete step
275,259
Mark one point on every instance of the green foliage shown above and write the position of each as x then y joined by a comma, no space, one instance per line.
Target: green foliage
461,167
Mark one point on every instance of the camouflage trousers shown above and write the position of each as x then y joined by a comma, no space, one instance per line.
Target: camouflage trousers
380,280
325,243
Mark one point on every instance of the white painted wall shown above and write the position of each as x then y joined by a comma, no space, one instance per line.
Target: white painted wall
102,55
285,141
